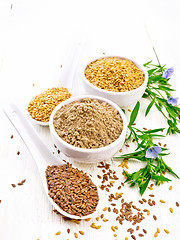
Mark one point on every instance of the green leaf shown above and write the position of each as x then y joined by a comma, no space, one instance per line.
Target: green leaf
155,130
146,64
134,113
149,107
171,112
136,175
161,178
144,186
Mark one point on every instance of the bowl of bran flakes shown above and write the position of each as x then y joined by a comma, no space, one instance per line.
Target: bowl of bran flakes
121,80
88,128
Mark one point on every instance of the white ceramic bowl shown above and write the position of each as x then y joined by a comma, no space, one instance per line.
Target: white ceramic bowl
123,99
82,154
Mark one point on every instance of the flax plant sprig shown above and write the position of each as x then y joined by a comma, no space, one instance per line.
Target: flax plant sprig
148,152
159,91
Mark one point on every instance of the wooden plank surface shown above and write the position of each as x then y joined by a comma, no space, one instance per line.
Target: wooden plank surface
37,38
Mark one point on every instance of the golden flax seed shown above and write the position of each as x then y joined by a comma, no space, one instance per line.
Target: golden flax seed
113,228
105,220
42,105
97,218
156,234
81,232
166,231
171,210
114,74
76,235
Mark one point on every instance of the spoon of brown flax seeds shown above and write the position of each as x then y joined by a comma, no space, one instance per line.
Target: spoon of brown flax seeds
71,191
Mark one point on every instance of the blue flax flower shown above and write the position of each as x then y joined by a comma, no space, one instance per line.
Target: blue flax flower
153,152
172,101
168,72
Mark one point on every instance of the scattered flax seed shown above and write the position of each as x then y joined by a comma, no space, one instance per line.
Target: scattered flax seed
170,188
158,230
105,209
118,194
113,228
177,204
156,234
162,201
22,182
171,210
148,212
144,230
97,218
11,136
166,231
120,150
151,195
68,230
133,237
76,235
126,238
137,228
87,219
13,185
141,235
81,232
93,225
155,218
19,184
58,233
18,152
115,235
105,220
151,188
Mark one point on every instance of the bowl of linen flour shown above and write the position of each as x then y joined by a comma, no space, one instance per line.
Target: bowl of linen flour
88,128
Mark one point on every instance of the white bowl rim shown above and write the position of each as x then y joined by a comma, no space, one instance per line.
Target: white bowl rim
85,150
141,67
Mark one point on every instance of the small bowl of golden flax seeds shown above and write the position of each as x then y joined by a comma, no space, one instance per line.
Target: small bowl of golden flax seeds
119,79
41,106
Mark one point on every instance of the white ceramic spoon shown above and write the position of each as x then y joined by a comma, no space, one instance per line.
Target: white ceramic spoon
38,149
